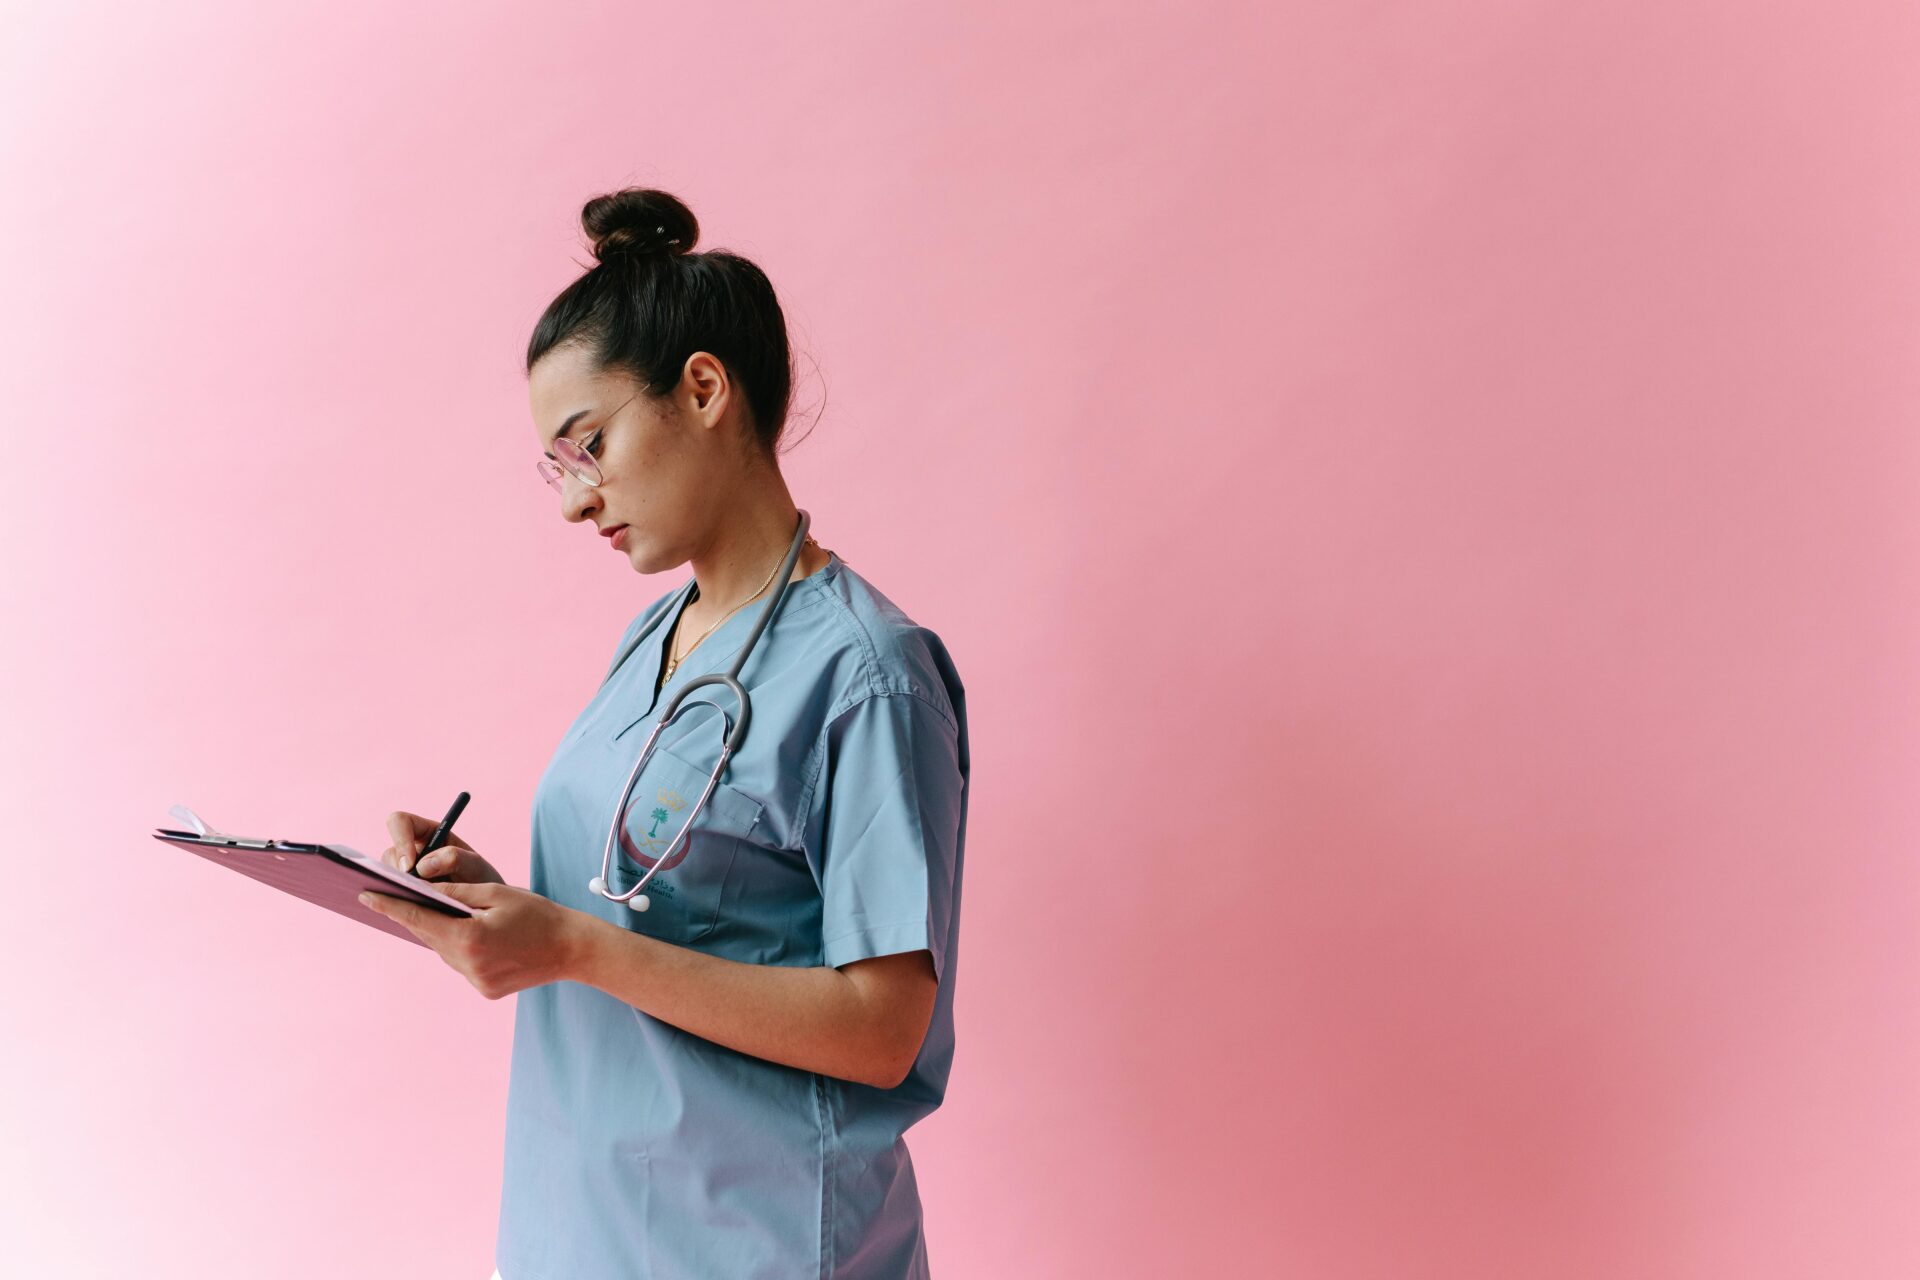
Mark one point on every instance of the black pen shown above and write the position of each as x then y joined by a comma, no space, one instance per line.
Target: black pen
439,836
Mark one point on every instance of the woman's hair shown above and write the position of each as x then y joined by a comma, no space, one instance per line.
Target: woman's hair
649,302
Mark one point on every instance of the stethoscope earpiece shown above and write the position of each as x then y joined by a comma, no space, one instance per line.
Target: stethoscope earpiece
639,902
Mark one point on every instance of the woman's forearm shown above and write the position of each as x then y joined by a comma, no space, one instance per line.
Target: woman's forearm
814,1019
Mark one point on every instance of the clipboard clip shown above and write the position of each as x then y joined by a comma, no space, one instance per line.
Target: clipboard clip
192,819
207,832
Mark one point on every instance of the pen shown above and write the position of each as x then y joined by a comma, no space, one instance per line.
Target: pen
439,836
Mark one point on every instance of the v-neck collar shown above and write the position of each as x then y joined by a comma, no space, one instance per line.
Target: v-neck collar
703,660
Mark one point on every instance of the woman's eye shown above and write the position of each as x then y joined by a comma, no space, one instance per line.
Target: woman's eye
593,444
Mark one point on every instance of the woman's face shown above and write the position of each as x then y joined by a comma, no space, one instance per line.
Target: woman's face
662,461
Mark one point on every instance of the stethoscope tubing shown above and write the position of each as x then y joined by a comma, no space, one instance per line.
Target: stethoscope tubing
736,732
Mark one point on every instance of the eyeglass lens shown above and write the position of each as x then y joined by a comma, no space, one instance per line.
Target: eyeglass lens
574,459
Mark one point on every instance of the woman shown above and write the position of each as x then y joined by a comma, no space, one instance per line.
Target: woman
715,1086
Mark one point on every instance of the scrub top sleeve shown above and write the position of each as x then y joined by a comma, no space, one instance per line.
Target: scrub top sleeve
889,794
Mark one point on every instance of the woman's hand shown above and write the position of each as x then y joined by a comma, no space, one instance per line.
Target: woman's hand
513,940
453,862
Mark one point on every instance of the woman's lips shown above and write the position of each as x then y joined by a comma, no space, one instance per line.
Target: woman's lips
619,538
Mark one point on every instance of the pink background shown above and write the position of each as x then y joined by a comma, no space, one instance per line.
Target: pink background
1421,496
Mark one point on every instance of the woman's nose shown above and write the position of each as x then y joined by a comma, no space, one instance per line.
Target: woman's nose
576,497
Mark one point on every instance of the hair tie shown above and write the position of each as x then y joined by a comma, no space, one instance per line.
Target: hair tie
636,248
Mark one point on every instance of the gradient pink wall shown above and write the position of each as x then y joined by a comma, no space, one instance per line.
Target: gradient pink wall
1422,497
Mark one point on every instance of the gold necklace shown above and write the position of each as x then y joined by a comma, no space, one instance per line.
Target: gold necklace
674,660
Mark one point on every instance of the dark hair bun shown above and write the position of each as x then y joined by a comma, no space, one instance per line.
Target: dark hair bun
639,221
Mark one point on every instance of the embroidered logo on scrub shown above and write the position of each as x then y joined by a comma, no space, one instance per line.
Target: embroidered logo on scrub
665,826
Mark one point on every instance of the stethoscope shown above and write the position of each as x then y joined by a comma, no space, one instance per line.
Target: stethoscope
730,738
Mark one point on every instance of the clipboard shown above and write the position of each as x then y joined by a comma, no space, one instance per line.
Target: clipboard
328,875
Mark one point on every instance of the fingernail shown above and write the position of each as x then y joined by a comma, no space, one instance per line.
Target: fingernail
366,899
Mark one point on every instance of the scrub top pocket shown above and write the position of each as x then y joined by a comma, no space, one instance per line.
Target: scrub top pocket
687,891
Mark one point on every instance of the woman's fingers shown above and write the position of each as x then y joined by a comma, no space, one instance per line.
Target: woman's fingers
406,845
462,865
432,864
409,833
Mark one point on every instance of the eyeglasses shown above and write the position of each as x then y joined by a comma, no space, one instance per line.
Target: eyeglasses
571,459
574,460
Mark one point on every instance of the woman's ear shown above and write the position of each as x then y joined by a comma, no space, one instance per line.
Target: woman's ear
707,387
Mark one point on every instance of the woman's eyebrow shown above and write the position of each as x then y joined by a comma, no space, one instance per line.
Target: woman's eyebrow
568,425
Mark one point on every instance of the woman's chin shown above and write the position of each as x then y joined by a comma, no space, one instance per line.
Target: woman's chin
644,559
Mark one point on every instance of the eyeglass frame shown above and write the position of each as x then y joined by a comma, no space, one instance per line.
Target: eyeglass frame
562,466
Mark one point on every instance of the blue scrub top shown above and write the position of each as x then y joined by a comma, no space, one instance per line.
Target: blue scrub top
634,1149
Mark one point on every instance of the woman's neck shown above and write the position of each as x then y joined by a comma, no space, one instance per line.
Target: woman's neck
737,565
751,541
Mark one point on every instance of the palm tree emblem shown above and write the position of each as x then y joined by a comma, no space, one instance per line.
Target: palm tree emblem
670,801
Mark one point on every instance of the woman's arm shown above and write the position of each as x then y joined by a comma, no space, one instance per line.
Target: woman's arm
864,1021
